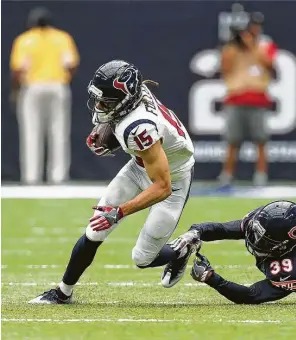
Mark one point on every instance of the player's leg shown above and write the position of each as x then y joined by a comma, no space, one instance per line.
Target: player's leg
234,131
59,129
151,249
259,135
31,125
121,189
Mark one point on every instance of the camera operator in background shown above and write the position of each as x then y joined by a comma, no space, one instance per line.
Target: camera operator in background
246,68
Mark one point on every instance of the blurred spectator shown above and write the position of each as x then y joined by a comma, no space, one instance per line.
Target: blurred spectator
246,65
43,62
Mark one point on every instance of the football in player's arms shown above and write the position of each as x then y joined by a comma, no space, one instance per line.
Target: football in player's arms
270,235
158,175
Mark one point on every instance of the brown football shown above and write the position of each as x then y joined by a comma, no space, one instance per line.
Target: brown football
106,137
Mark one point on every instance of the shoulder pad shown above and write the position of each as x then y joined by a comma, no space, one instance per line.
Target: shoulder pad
141,134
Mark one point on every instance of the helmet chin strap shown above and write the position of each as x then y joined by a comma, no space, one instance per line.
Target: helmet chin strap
95,120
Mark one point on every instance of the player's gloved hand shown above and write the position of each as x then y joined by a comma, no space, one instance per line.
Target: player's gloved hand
201,270
189,238
107,217
91,143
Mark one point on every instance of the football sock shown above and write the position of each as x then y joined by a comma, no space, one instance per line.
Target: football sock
66,289
165,255
82,256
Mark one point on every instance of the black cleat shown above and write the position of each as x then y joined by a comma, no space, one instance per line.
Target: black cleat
175,270
187,244
52,297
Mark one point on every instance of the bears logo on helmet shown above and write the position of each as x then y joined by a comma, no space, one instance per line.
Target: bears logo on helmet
292,233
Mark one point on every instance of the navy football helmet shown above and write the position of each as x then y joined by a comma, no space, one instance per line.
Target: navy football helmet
114,91
272,230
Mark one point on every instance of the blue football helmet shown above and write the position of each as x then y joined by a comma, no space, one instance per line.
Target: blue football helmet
272,230
114,91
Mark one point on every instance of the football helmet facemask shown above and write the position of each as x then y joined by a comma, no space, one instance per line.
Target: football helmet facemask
272,231
114,91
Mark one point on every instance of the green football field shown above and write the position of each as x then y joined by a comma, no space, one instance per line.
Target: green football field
115,300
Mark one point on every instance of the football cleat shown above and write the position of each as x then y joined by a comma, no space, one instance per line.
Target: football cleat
52,297
175,270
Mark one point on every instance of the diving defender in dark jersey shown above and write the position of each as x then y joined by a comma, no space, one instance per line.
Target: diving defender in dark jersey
270,235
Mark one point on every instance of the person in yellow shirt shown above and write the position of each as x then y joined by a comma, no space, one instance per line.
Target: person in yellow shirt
43,61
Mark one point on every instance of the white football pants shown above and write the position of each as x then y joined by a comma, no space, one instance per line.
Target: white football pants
44,112
162,219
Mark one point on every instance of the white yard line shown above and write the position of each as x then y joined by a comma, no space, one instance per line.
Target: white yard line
151,284
94,320
95,191
122,303
137,320
252,321
45,283
113,266
113,284
49,238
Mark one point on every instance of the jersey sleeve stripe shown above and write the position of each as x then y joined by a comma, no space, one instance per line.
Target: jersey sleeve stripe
133,125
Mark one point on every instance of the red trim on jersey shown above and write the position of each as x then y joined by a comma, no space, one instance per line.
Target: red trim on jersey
249,98
287,285
140,162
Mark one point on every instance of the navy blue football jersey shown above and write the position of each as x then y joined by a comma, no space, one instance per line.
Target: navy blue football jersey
281,272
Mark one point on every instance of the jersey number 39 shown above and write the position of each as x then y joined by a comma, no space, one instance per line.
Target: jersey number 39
278,266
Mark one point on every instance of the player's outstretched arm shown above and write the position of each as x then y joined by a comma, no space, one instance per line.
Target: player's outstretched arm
157,168
259,292
208,231
212,231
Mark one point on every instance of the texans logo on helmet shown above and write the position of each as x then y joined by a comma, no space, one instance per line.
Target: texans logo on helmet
127,82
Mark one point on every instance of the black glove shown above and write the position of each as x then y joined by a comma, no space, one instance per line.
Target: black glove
201,269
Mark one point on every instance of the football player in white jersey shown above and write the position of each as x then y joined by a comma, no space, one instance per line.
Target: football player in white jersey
158,176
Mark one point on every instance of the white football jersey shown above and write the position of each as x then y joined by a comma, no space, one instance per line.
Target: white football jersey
152,121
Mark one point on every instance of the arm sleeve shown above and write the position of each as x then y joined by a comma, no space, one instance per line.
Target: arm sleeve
212,231
259,292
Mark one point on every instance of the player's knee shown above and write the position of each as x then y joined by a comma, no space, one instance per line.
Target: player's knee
163,226
95,235
141,258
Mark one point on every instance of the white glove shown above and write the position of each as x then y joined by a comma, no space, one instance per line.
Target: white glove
189,238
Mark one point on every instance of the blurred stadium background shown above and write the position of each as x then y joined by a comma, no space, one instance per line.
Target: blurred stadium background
175,43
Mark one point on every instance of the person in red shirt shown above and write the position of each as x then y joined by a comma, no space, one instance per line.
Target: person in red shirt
246,65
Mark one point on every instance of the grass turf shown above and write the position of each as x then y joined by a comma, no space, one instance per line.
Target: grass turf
122,302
